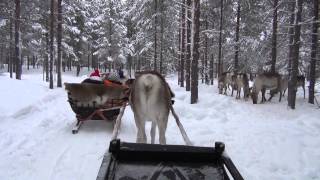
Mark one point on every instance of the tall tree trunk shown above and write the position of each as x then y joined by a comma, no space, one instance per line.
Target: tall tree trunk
211,61
179,53
161,37
155,35
129,36
206,52
292,90
188,44
195,49
182,43
17,42
220,40
28,62
69,63
129,64
274,36
51,44
110,31
291,35
314,46
59,80
138,64
33,62
2,60
88,56
236,57
93,61
11,47
46,59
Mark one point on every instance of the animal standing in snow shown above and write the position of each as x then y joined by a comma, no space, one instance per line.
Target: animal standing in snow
226,79
284,85
150,100
242,81
265,81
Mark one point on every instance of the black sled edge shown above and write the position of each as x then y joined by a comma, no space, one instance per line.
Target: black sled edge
153,161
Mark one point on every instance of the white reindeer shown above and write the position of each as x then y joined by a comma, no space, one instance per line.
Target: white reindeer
150,100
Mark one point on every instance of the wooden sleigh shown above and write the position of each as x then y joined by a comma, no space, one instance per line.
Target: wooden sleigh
95,101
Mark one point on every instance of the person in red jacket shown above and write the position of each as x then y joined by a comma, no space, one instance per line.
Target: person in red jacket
94,77
95,73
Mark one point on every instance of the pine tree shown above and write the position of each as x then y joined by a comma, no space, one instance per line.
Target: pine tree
195,49
274,36
155,68
59,38
314,46
18,63
51,44
220,41
11,47
292,90
236,57
188,44
182,43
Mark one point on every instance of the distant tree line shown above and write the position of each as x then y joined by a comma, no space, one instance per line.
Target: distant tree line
197,39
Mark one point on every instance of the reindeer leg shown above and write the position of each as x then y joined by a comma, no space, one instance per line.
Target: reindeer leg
153,132
141,134
232,91
263,92
304,92
280,96
162,125
271,95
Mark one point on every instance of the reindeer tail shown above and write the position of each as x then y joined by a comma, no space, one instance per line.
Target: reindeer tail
183,132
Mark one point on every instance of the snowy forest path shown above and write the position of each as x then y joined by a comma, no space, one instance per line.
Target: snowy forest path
265,141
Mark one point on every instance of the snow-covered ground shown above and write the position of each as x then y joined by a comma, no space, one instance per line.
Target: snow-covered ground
265,141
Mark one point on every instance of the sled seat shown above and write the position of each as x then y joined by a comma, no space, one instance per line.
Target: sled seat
135,161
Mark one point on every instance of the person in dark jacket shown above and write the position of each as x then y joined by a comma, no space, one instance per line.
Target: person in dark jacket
120,72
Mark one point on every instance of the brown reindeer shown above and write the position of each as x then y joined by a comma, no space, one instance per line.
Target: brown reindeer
284,85
265,81
242,81
225,80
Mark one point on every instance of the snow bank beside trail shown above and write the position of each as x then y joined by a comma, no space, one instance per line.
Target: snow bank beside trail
36,140
265,141
19,94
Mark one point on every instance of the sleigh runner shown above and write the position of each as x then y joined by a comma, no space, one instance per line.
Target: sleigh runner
95,101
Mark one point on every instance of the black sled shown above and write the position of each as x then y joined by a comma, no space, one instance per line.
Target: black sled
134,161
